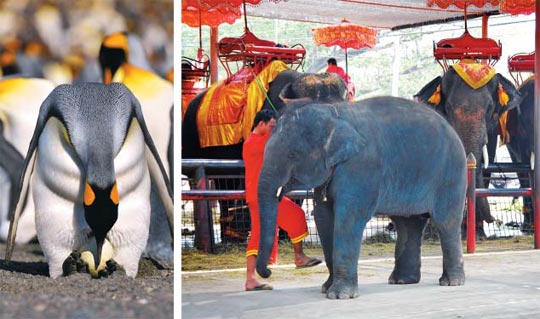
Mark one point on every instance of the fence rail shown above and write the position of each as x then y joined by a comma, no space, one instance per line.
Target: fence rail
202,198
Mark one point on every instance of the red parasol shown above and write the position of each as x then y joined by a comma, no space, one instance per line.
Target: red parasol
212,13
196,13
347,36
518,6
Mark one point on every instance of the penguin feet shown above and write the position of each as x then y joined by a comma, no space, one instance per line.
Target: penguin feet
111,267
74,264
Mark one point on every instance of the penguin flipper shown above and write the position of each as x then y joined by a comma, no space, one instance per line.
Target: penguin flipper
158,175
23,185
15,210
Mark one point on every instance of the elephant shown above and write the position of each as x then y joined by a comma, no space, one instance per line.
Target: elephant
287,85
474,113
520,126
382,155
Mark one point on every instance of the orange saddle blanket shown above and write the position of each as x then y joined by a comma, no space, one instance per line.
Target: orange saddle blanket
228,108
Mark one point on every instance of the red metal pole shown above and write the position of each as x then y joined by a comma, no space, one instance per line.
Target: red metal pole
536,186
485,18
214,55
471,203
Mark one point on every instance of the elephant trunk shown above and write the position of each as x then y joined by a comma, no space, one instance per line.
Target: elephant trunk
268,197
475,140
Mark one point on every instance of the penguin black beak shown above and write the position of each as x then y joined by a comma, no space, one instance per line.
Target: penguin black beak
100,212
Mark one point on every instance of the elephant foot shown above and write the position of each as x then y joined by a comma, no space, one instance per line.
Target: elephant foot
403,279
342,290
456,280
326,285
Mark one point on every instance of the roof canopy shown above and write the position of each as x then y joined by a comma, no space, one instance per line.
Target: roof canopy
383,14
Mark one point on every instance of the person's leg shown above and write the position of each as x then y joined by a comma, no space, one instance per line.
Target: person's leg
292,219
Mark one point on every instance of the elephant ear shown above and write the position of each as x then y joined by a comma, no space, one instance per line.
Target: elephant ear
343,143
505,95
431,94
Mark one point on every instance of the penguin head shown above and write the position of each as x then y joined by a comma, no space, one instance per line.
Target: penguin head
8,63
114,51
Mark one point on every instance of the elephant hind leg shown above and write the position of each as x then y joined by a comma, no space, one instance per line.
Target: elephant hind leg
408,249
450,237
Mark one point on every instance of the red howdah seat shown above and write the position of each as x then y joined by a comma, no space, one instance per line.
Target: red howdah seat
248,50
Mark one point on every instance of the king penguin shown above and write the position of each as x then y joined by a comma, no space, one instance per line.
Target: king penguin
90,164
121,61
20,100
153,92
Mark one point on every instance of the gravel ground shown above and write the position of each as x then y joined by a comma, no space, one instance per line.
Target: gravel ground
27,291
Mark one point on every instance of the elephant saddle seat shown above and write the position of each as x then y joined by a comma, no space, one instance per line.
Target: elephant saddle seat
228,108
257,53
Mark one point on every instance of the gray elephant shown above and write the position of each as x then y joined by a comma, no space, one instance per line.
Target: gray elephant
382,155
520,127
474,113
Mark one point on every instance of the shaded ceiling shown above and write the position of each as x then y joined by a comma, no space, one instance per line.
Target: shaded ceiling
382,14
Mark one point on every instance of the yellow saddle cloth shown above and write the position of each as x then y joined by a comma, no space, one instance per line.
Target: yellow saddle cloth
474,74
228,108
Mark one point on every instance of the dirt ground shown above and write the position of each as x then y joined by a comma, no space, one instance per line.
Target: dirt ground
27,291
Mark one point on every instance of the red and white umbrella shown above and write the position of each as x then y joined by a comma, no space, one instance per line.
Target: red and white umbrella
346,35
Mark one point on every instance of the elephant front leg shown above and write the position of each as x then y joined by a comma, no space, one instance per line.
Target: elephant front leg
408,249
348,230
324,219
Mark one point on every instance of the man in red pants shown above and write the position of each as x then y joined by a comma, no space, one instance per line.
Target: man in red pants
290,217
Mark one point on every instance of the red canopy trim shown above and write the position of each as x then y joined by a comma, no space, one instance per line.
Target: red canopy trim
462,3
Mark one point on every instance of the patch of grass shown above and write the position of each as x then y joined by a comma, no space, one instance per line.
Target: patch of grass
234,256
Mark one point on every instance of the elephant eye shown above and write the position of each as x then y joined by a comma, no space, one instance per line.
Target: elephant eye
291,155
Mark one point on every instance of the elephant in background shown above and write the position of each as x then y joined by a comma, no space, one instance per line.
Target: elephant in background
382,155
474,113
520,126
286,85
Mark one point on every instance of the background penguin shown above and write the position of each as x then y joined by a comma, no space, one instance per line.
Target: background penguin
153,92
20,99
11,163
156,97
91,162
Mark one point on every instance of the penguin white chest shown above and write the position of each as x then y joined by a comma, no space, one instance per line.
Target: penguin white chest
57,177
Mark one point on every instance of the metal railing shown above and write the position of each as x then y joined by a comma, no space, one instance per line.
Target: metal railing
201,195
